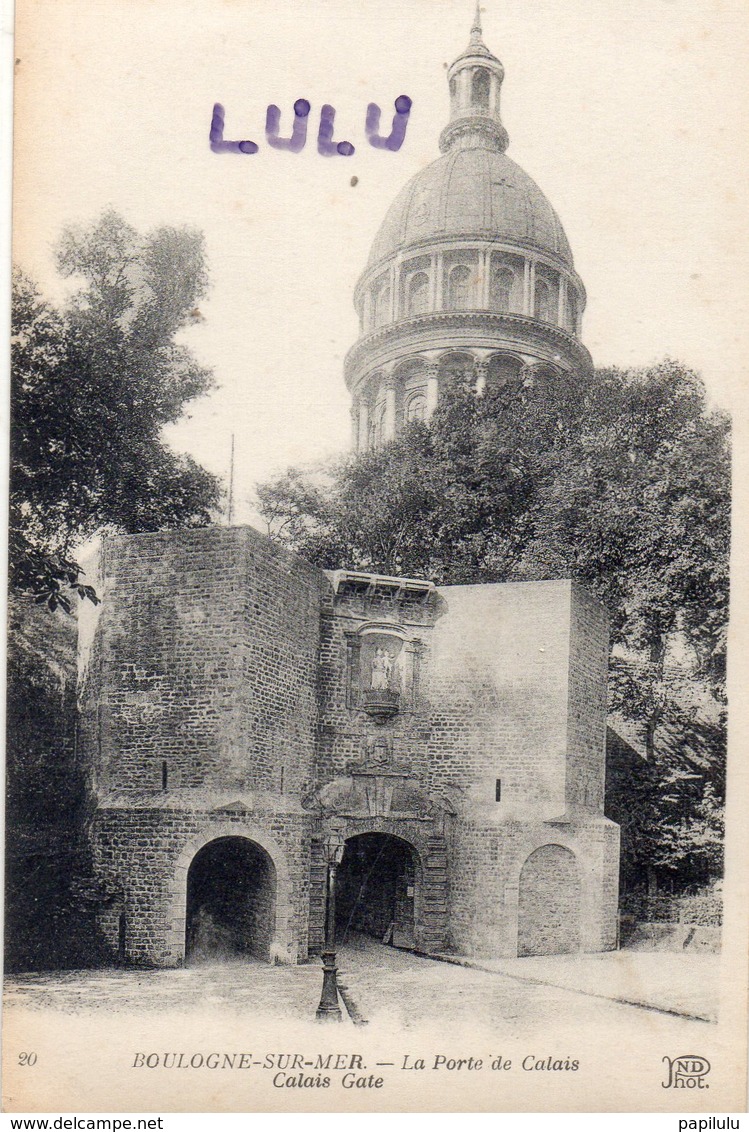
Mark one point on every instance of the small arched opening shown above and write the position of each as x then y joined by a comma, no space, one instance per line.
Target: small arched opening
415,407
231,902
418,293
460,289
542,301
501,289
376,889
549,902
502,369
480,88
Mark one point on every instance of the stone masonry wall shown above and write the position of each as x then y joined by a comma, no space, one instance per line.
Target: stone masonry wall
147,853
586,731
486,864
204,672
498,692
344,728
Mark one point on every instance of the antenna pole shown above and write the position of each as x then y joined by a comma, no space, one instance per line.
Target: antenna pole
230,504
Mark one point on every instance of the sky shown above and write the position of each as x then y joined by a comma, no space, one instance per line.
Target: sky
631,117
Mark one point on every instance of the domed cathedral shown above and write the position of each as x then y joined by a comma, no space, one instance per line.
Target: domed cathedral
470,274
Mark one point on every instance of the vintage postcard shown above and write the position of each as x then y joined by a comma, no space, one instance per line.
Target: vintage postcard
377,370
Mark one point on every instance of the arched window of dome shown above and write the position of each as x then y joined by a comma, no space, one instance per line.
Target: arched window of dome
572,310
480,87
502,282
418,293
453,88
415,408
382,305
456,369
460,289
542,304
500,369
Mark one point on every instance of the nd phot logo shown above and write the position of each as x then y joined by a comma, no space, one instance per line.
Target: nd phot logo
686,1072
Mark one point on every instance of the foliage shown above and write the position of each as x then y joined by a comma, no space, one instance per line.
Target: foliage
93,385
620,481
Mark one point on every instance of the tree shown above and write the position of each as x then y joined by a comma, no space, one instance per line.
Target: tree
620,481
93,386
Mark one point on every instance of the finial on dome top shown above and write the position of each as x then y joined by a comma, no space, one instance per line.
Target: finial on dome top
476,28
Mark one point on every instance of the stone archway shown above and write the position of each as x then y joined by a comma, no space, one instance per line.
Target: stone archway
549,902
283,945
378,886
231,896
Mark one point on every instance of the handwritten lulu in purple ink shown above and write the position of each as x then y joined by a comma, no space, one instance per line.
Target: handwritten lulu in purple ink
325,143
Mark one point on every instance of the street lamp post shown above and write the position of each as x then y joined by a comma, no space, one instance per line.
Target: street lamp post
328,1009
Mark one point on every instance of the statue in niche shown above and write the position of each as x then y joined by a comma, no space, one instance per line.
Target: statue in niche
382,667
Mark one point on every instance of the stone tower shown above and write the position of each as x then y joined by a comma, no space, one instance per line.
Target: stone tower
470,273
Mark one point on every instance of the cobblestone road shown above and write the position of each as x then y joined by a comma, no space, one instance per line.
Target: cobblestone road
387,985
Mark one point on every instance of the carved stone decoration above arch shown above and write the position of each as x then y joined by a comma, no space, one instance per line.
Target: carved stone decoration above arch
375,788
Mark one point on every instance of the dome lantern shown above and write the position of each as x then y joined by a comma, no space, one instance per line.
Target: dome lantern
475,81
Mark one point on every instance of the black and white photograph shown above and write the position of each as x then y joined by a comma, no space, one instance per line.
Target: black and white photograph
378,385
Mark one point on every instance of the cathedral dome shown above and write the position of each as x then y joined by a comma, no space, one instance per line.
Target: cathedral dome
470,276
471,192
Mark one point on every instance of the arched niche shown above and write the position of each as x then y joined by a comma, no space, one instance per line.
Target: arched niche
417,293
414,406
501,369
409,369
410,378
382,658
415,286
456,366
461,288
481,83
546,295
549,902
381,302
506,284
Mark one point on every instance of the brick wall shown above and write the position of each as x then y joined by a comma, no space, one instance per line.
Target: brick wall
146,855
498,690
549,903
224,679
204,670
586,728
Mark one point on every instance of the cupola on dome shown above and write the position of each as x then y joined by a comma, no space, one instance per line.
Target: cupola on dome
471,192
